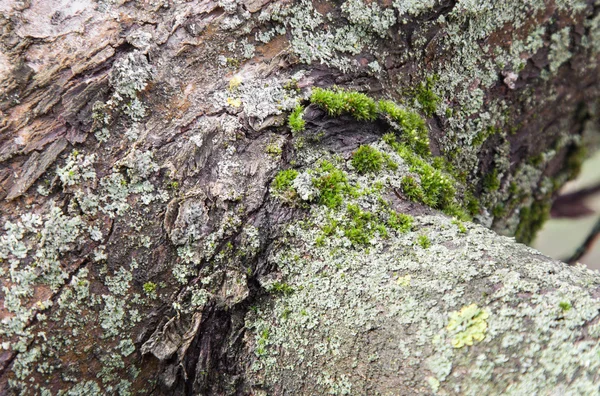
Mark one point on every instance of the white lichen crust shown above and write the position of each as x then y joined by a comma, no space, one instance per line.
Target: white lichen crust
378,319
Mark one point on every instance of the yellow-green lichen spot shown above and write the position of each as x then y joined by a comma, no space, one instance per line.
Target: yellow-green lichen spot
467,325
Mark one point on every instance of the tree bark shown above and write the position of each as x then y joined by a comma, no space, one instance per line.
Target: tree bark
152,244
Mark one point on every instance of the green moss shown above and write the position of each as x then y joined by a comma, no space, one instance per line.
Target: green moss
286,313
455,210
491,181
413,126
484,134
536,160
331,184
411,189
281,288
337,102
295,120
441,164
424,241
427,98
233,62
149,287
472,204
262,342
531,220
284,179
461,227
499,210
327,230
390,139
438,188
389,162
363,226
565,306
274,150
400,221
367,159
292,85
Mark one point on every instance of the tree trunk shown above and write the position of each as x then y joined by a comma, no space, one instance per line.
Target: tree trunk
186,211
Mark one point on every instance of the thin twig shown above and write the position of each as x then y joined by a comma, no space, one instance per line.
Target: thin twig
573,205
587,245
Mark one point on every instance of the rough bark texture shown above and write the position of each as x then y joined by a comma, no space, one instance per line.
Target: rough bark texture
151,243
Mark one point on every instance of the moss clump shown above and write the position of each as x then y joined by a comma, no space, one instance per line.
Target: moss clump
455,210
461,227
400,221
565,306
436,189
274,150
328,230
472,204
424,241
149,287
281,288
389,162
536,160
331,184
173,185
484,134
367,159
414,130
295,120
531,220
411,189
233,62
362,226
499,210
491,181
337,102
284,179
427,98
467,326
262,343
292,85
